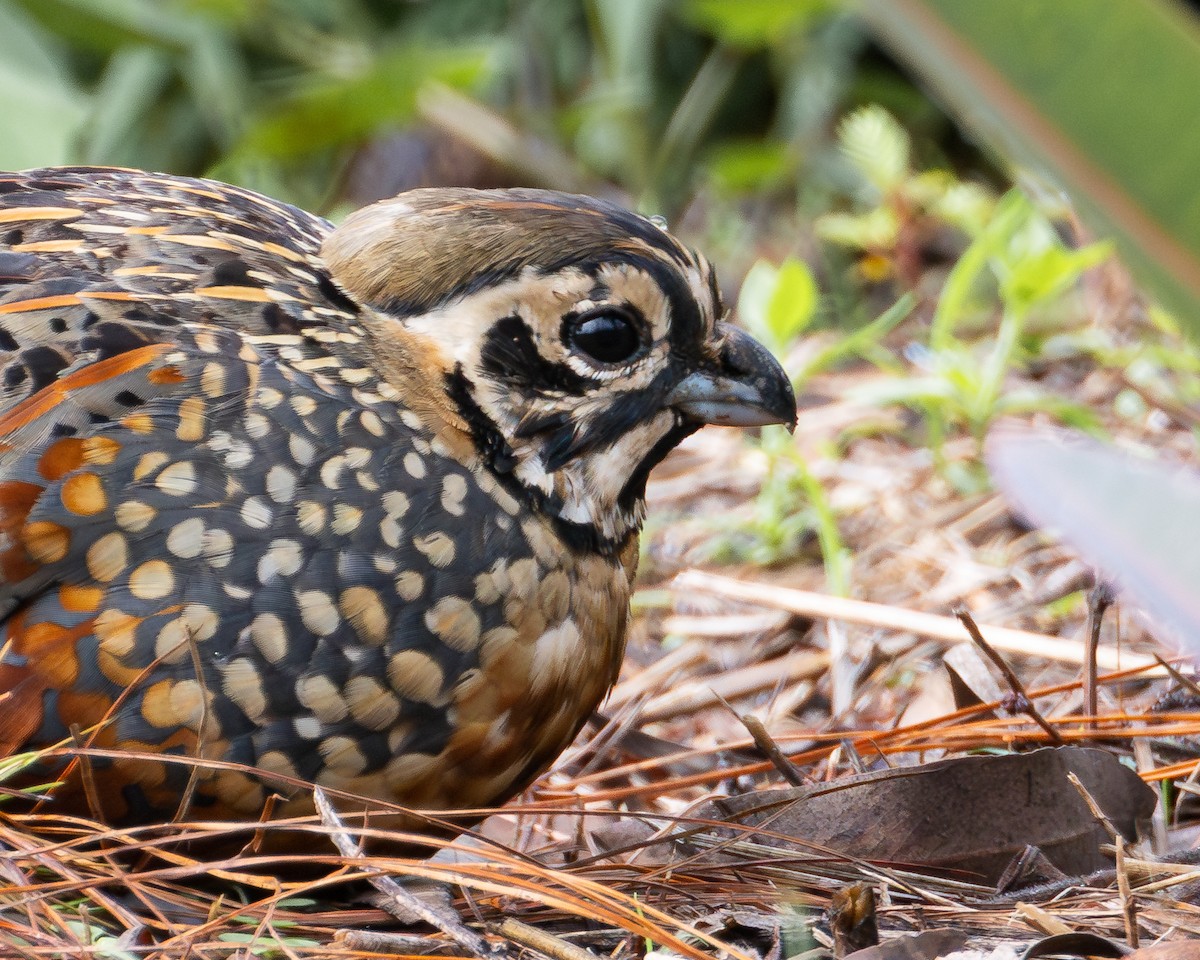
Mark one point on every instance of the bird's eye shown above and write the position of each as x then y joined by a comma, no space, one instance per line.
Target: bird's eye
608,335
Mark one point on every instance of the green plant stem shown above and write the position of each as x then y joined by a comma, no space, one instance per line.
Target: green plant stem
860,341
833,549
693,115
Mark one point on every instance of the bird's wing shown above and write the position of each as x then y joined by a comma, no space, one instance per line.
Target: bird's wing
196,552
95,261
178,379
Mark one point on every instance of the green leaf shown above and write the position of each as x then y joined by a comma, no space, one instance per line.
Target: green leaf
877,146
109,25
337,112
777,303
1101,101
753,23
927,188
966,205
748,166
1010,212
1041,277
793,302
230,13
876,229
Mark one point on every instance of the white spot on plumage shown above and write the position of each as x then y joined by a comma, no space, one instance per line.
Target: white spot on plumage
135,516
107,557
269,635
283,558
332,470
317,612
414,465
311,517
346,519
153,580
303,450
281,484
178,479
186,538
218,547
257,425
256,513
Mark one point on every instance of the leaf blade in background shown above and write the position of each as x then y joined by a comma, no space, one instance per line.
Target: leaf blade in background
1137,520
123,101
1086,97
43,110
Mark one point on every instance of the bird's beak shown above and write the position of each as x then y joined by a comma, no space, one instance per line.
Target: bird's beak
746,387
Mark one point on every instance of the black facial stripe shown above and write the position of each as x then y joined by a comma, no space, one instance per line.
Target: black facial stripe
625,412
559,447
714,288
687,322
511,357
495,449
579,537
635,487
557,430
532,425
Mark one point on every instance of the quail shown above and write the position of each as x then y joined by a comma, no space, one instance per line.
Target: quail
354,505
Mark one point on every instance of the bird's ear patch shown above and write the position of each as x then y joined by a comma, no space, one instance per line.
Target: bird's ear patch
510,356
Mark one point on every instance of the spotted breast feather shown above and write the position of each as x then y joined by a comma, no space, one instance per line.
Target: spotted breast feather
355,506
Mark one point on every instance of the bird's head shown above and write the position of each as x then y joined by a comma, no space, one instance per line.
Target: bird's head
577,342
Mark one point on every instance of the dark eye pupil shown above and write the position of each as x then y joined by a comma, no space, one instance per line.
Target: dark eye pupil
607,337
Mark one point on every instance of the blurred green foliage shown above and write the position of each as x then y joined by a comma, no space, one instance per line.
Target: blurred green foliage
774,133
1102,104
660,99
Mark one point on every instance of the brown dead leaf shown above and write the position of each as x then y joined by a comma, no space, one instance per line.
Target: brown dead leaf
968,814
1076,944
917,946
1179,950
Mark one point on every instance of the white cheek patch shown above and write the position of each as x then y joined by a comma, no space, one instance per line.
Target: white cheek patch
590,487
532,473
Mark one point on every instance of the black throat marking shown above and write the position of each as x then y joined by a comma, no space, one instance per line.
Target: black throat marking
499,458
